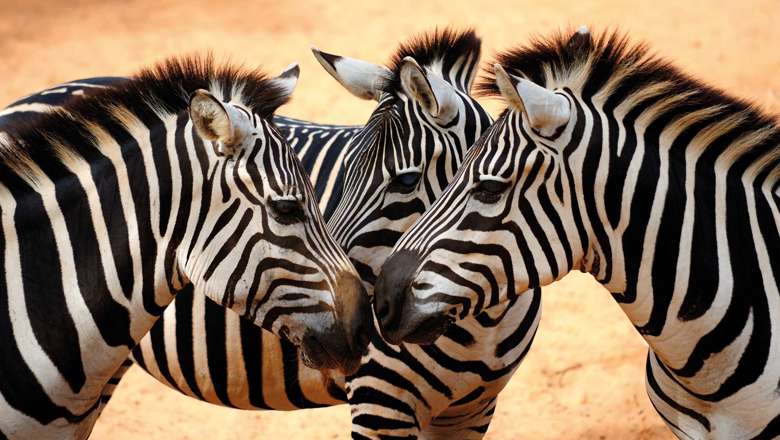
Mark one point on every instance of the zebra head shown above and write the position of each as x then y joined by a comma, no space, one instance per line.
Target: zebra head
412,144
509,221
261,246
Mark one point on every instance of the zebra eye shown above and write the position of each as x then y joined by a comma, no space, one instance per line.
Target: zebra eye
404,183
287,211
489,191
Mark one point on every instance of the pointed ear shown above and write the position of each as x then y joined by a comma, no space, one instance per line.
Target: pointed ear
546,111
217,122
435,95
287,80
210,117
362,79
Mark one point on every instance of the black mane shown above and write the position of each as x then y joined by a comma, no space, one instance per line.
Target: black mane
447,45
164,87
594,60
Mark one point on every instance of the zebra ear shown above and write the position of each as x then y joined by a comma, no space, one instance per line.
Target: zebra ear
546,111
287,80
362,79
214,121
435,95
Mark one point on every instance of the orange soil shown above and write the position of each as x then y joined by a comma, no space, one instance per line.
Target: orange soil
584,377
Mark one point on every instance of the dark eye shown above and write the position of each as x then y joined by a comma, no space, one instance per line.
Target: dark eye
287,211
489,191
404,183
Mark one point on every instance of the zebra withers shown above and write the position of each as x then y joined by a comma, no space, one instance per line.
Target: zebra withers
609,160
173,181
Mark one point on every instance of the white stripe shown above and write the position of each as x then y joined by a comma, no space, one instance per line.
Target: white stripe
33,108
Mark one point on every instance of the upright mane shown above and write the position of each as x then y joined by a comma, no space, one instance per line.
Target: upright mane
609,63
163,88
445,46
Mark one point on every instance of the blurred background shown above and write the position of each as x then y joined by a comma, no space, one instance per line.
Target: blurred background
584,377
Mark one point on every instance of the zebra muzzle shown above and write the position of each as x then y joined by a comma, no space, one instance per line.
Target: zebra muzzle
392,295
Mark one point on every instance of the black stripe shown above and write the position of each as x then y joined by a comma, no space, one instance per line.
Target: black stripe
668,400
590,171
252,349
162,163
184,211
224,218
475,394
373,368
217,350
185,338
230,243
517,336
157,339
771,431
414,364
292,384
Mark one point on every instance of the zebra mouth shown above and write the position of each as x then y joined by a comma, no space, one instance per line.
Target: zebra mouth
314,355
429,330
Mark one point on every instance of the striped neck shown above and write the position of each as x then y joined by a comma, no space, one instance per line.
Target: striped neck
680,205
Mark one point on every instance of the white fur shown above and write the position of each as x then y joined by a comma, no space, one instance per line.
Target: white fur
546,110
361,78
436,96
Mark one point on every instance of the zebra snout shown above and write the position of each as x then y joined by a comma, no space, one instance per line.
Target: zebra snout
392,293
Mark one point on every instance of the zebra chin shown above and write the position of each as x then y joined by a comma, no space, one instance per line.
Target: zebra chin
343,344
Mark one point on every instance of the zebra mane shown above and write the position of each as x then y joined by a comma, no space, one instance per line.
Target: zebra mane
588,63
444,47
156,90
609,64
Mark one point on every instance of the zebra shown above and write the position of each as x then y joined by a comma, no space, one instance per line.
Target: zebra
445,389
611,161
175,181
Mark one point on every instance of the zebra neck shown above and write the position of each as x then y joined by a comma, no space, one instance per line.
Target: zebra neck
159,166
92,251
688,241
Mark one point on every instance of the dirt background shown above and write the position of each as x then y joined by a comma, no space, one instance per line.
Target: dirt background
584,379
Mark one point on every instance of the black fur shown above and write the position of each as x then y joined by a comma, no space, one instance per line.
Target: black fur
447,45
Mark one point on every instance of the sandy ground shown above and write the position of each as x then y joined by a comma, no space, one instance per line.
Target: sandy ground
584,377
